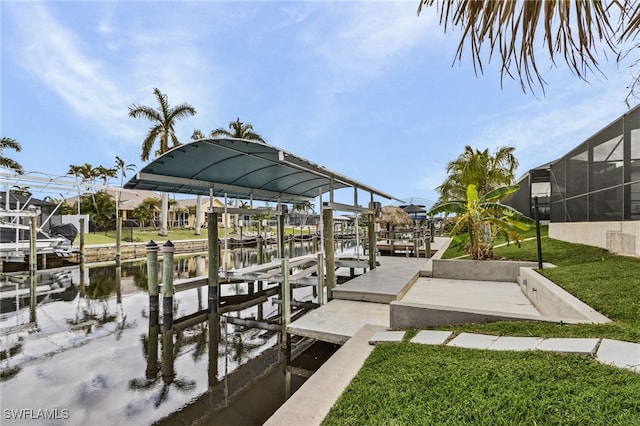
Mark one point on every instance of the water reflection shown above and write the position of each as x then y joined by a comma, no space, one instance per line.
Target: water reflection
99,351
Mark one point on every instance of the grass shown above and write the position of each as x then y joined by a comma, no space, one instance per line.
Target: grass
406,384
458,250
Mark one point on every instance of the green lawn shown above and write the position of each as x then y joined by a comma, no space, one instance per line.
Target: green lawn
411,384
408,384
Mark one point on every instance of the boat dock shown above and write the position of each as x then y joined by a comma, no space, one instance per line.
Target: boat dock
363,299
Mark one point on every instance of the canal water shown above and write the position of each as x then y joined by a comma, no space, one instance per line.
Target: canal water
95,355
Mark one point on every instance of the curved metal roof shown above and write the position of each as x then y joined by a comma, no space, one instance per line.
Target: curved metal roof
241,169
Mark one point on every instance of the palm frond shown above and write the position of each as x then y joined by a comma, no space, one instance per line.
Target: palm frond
510,28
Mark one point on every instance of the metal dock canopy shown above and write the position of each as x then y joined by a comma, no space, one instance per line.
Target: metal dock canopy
241,169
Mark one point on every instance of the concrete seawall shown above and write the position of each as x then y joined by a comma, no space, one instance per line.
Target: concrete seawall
130,251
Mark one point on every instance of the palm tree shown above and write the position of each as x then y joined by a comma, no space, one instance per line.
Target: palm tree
87,174
163,119
8,162
21,190
146,209
122,168
479,168
575,30
238,129
485,217
104,173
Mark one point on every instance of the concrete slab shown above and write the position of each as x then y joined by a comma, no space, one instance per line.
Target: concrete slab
338,320
311,403
388,282
507,343
621,354
471,294
473,341
387,337
581,346
431,337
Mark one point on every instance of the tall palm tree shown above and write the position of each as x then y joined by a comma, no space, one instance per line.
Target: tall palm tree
8,143
574,30
122,168
164,119
237,129
87,174
479,168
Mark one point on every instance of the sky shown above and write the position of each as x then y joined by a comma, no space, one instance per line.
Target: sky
368,89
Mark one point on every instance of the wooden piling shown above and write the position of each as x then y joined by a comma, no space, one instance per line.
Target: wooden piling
118,239
214,343
214,262
285,296
167,354
291,246
427,248
281,236
327,219
260,247
320,272
167,284
151,249
33,268
152,345
372,241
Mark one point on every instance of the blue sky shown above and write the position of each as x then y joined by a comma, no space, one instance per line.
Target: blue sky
365,88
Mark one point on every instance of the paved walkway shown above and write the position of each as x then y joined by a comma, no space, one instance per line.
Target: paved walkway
620,354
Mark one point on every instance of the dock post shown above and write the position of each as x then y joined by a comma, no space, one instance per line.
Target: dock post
81,257
260,306
260,244
167,283
152,345
320,273
213,296
214,345
281,234
118,239
330,253
151,249
291,245
372,241
427,247
167,352
214,262
167,311
33,268
285,296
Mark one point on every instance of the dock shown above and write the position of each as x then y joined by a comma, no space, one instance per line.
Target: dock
364,299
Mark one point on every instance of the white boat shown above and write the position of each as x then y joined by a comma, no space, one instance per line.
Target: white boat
15,242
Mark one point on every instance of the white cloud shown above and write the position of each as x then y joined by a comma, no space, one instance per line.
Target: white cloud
55,56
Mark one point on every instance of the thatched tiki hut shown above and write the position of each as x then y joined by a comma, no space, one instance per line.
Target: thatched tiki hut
394,217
